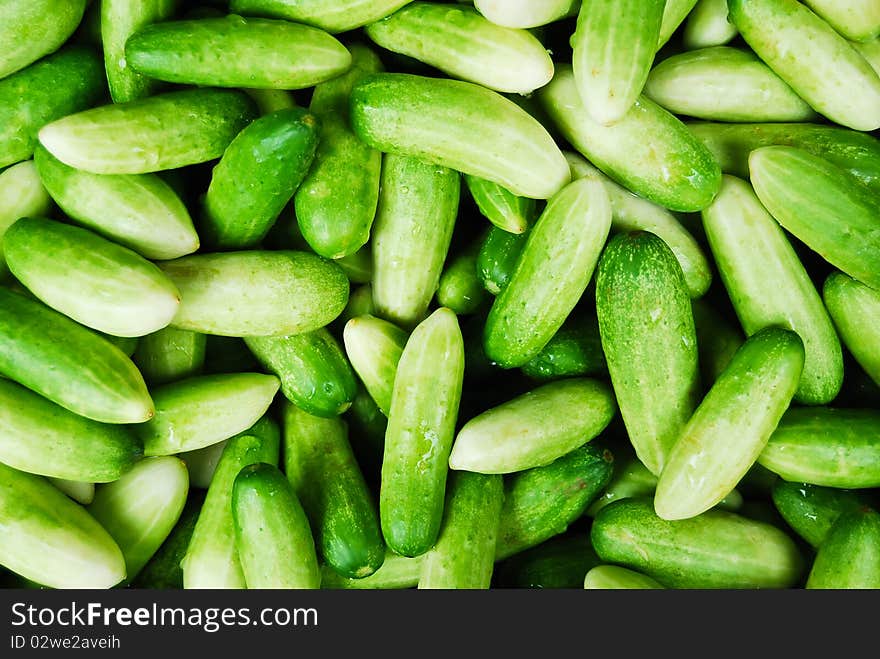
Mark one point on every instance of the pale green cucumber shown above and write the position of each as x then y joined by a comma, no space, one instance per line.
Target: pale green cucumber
500,206
534,429
671,167
858,20
526,13
374,347
358,266
79,491
418,206
449,122
721,83
170,354
674,14
397,572
52,540
201,463
870,50
647,329
708,25
421,429
162,571
139,509
360,303
615,577
21,195
551,273
750,250
849,557
69,364
855,310
256,292
331,15
613,49
111,288
203,410
821,205
160,132
818,63
32,29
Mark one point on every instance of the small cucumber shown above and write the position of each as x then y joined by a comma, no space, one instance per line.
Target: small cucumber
574,351
271,100
870,50
272,534
331,15
497,258
256,292
459,287
21,195
708,25
526,13
858,20
718,338
79,491
449,122
163,571
855,310
421,429
32,29
360,303
849,557
561,562
374,347
358,266
500,206
551,273
170,354
397,572
615,577
674,14
201,463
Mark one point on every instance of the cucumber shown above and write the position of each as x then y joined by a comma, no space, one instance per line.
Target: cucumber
119,19
855,310
138,211
21,195
321,468
65,82
858,20
77,490
140,509
313,369
449,122
821,205
228,354
832,447
751,249
464,555
459,287
69,364
561,562
526,13
43,438
170,354
201,463
397,572
615,577
870,50
816,61
534,429
32,29
256,292
418,205
459,41
257,175
574,351
717,549
272,534
613,48
630,478
421,429
497,258
671,167
721,83
358,266
732,424
211,559
849,558
163,571
233,51
541,502
674,14
708,25
111,288
160,132
500,206
52,540
551,274
271,100
360,303
718,338
367,425
374,347
203,410
647,330
331,15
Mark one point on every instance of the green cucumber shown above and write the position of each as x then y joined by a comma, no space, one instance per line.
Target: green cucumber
647,329
321,467
849,557
358,266
360,303
163,571
613,48
731,426
751,249
256,292
855,310
497,258
526,13
615,577
69,364
721,83
541,502
832,447
816,61
717,549
331,15
674,14
459,41
374,347
708,25
170,354
421,429
313,368
140,509
718,338
397,572
257,175
459,287
65,82
500,206
21,195
551,273
464,555
671,167
201,463
52,540
43,438
233,51
77,490
561,562
821,205
272,534
574,351
203,410
32,29
858,20
271,100
418,205
111,289
534,429
160,132
870,50
449,122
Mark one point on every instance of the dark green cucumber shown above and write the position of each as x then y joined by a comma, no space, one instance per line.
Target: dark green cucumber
374,347
561,562
849,557
574,351
459,288
32,29
855,310
170,354
500,206
497,258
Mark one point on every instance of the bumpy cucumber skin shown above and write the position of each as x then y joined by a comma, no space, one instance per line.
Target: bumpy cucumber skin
65,82
497,258
647,329
32,29
170,354
716,549
575,350
855,310
849,557
21,195
374,347
331,15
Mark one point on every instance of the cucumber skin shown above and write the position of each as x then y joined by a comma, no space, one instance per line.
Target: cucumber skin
854,309
170,354
33,29
560,562
332,16
497,258
574,351
21,195
459,287
500,206
849,557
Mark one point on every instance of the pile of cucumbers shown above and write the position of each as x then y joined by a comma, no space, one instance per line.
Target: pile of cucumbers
392,294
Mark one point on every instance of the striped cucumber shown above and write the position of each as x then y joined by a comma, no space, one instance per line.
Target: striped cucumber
500,206
32,29
170,354
21,195
497,258
855,310
331,15
574,351
615,577
526,13
858,20
849,557
374,347
674,14
708,25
